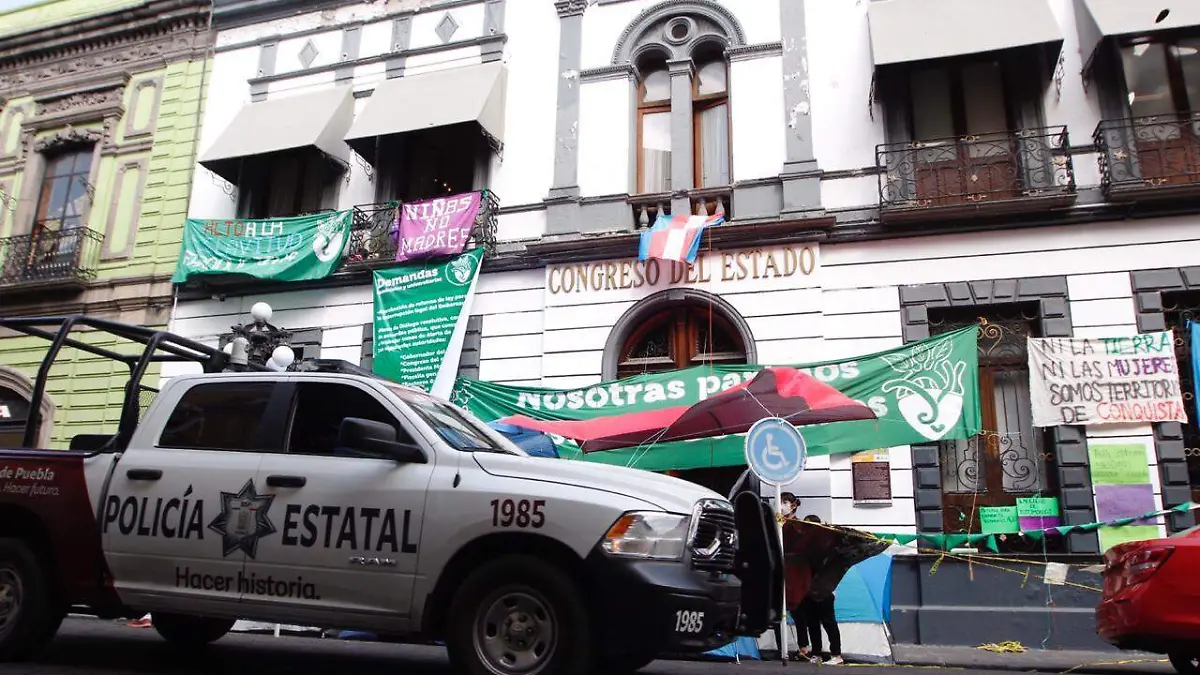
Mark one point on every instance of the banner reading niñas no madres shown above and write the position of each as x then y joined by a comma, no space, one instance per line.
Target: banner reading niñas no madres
922,392
281,249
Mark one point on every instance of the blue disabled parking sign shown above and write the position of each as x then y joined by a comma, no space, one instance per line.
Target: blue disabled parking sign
775,451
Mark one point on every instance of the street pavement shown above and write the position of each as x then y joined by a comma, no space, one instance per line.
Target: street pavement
95,647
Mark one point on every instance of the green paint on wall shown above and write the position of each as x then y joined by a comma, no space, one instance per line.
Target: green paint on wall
168,178
86,389
56,12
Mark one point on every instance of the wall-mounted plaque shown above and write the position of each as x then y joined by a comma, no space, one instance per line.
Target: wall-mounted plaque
871,477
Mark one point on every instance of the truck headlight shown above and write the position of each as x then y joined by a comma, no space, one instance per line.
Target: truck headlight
647,534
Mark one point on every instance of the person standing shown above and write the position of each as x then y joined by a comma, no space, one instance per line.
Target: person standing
818,607
797,576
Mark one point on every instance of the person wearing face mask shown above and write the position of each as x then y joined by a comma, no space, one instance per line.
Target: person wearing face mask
797,576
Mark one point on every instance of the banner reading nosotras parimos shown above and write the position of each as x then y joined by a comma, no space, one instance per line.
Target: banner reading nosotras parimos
281,249
421,315
1117,380
922,392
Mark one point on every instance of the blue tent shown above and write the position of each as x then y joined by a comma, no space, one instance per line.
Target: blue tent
534,442
741,648
865,593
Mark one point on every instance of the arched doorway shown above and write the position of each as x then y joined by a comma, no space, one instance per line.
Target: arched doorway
14,411
681,330
15,392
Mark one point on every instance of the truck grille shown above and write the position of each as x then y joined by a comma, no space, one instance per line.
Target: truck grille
714,540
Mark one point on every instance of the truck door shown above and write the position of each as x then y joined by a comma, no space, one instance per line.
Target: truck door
348,526
182,514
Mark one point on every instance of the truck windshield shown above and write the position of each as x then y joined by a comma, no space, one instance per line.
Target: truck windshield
458,429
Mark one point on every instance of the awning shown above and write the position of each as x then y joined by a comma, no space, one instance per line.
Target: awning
907,31
313,120
435,99
1098,19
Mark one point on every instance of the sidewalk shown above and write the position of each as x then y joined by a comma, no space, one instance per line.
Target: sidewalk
1033,660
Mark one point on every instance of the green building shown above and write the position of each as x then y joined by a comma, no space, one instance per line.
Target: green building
100,108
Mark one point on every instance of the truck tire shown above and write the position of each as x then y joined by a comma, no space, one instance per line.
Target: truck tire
1186,664
519,615
29,616
189,631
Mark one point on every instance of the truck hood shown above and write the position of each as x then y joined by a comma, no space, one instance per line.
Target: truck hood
665,492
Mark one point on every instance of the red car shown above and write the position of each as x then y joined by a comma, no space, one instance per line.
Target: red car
1151,598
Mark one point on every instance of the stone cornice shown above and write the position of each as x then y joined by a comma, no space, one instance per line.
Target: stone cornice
147,35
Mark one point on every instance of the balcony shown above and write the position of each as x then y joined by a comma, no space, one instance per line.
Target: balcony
1150,157
49,259
372,241
986,174
703,202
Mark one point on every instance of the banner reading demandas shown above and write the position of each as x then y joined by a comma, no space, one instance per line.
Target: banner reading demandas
1117,380
923,392
280,249
420,320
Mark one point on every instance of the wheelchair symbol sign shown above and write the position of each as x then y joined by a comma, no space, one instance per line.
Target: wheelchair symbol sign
775,451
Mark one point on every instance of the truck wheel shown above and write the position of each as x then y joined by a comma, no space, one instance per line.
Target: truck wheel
189,631
519,615
1185,664
28,615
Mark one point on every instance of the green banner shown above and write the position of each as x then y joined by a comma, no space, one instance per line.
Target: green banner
922,392
281,249
421,319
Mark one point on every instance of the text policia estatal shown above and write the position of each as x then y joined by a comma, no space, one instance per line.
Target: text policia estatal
304,525
251,584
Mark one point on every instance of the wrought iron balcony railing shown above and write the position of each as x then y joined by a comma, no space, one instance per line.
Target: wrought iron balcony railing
373,239
49,257
703,202
1149,156
1020,169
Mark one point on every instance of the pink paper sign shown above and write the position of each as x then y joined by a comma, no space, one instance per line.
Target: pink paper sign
435,227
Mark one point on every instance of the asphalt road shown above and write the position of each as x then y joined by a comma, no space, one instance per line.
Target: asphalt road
90,646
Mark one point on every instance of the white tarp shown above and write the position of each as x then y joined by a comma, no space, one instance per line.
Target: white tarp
1118,380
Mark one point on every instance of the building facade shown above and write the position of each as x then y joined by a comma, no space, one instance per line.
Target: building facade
99,109
886,174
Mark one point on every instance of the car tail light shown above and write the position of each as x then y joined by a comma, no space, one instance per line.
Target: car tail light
1140,565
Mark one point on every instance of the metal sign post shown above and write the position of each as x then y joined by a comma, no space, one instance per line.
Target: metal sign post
775,452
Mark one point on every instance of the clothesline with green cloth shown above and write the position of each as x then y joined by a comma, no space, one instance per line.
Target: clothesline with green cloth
945,542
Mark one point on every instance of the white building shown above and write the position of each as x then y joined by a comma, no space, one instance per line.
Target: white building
1044,198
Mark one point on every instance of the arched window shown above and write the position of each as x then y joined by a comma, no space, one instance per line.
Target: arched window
654,125
710,119
681,337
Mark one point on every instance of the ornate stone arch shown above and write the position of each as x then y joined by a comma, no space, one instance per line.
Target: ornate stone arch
23,386
668,299
707,20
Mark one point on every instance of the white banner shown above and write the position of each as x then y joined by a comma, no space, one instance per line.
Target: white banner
1118,380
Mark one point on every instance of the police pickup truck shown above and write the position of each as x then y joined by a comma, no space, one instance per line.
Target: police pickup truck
339,499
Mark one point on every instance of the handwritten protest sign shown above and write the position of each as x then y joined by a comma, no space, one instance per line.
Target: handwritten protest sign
1121,480
1118,380
998,520
435,227
1038,513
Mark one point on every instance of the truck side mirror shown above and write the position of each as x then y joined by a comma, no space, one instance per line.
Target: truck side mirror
376,439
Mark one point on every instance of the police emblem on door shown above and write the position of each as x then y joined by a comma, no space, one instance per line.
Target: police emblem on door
244,519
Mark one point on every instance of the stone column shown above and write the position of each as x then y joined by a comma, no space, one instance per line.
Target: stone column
562,205
682,71
801,175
